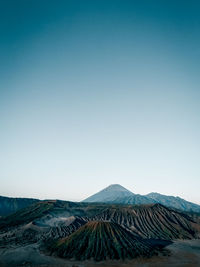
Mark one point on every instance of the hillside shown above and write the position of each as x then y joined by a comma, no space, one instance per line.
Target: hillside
10,205
175,202
101,241
51,220
41,212
153,221
95,230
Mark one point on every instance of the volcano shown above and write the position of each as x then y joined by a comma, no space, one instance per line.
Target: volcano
118,194
100,241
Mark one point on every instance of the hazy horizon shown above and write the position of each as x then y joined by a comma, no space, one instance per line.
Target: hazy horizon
95,93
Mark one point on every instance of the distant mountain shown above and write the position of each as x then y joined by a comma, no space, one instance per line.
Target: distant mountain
100,241
175,202
10,205
117,194
113,194
109,194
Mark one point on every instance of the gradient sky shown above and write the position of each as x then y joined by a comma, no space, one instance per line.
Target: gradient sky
99,92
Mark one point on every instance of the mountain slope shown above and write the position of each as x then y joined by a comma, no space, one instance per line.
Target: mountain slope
49,220
117,194
147,221
100,241
110,193
10,205
152,221
41,210
134,199
174,202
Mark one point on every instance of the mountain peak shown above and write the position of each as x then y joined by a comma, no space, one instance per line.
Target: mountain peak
117,194
110,193
116,187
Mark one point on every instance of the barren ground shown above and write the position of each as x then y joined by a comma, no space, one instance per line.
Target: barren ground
180,253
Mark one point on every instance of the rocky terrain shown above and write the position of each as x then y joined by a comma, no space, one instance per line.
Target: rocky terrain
181,253
58,219
153,221
88,231
100,240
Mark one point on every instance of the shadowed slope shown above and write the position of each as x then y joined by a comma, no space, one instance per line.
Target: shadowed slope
102,240
9,205
153,221
35,211
63,230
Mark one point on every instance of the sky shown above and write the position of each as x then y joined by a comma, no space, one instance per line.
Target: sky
99,92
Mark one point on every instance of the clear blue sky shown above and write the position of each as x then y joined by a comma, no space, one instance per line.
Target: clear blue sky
99,92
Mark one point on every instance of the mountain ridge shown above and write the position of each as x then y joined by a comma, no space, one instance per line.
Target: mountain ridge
174,201
101,240
118,194
10,205
113,194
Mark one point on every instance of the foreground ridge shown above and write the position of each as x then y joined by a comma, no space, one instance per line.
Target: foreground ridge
101,240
